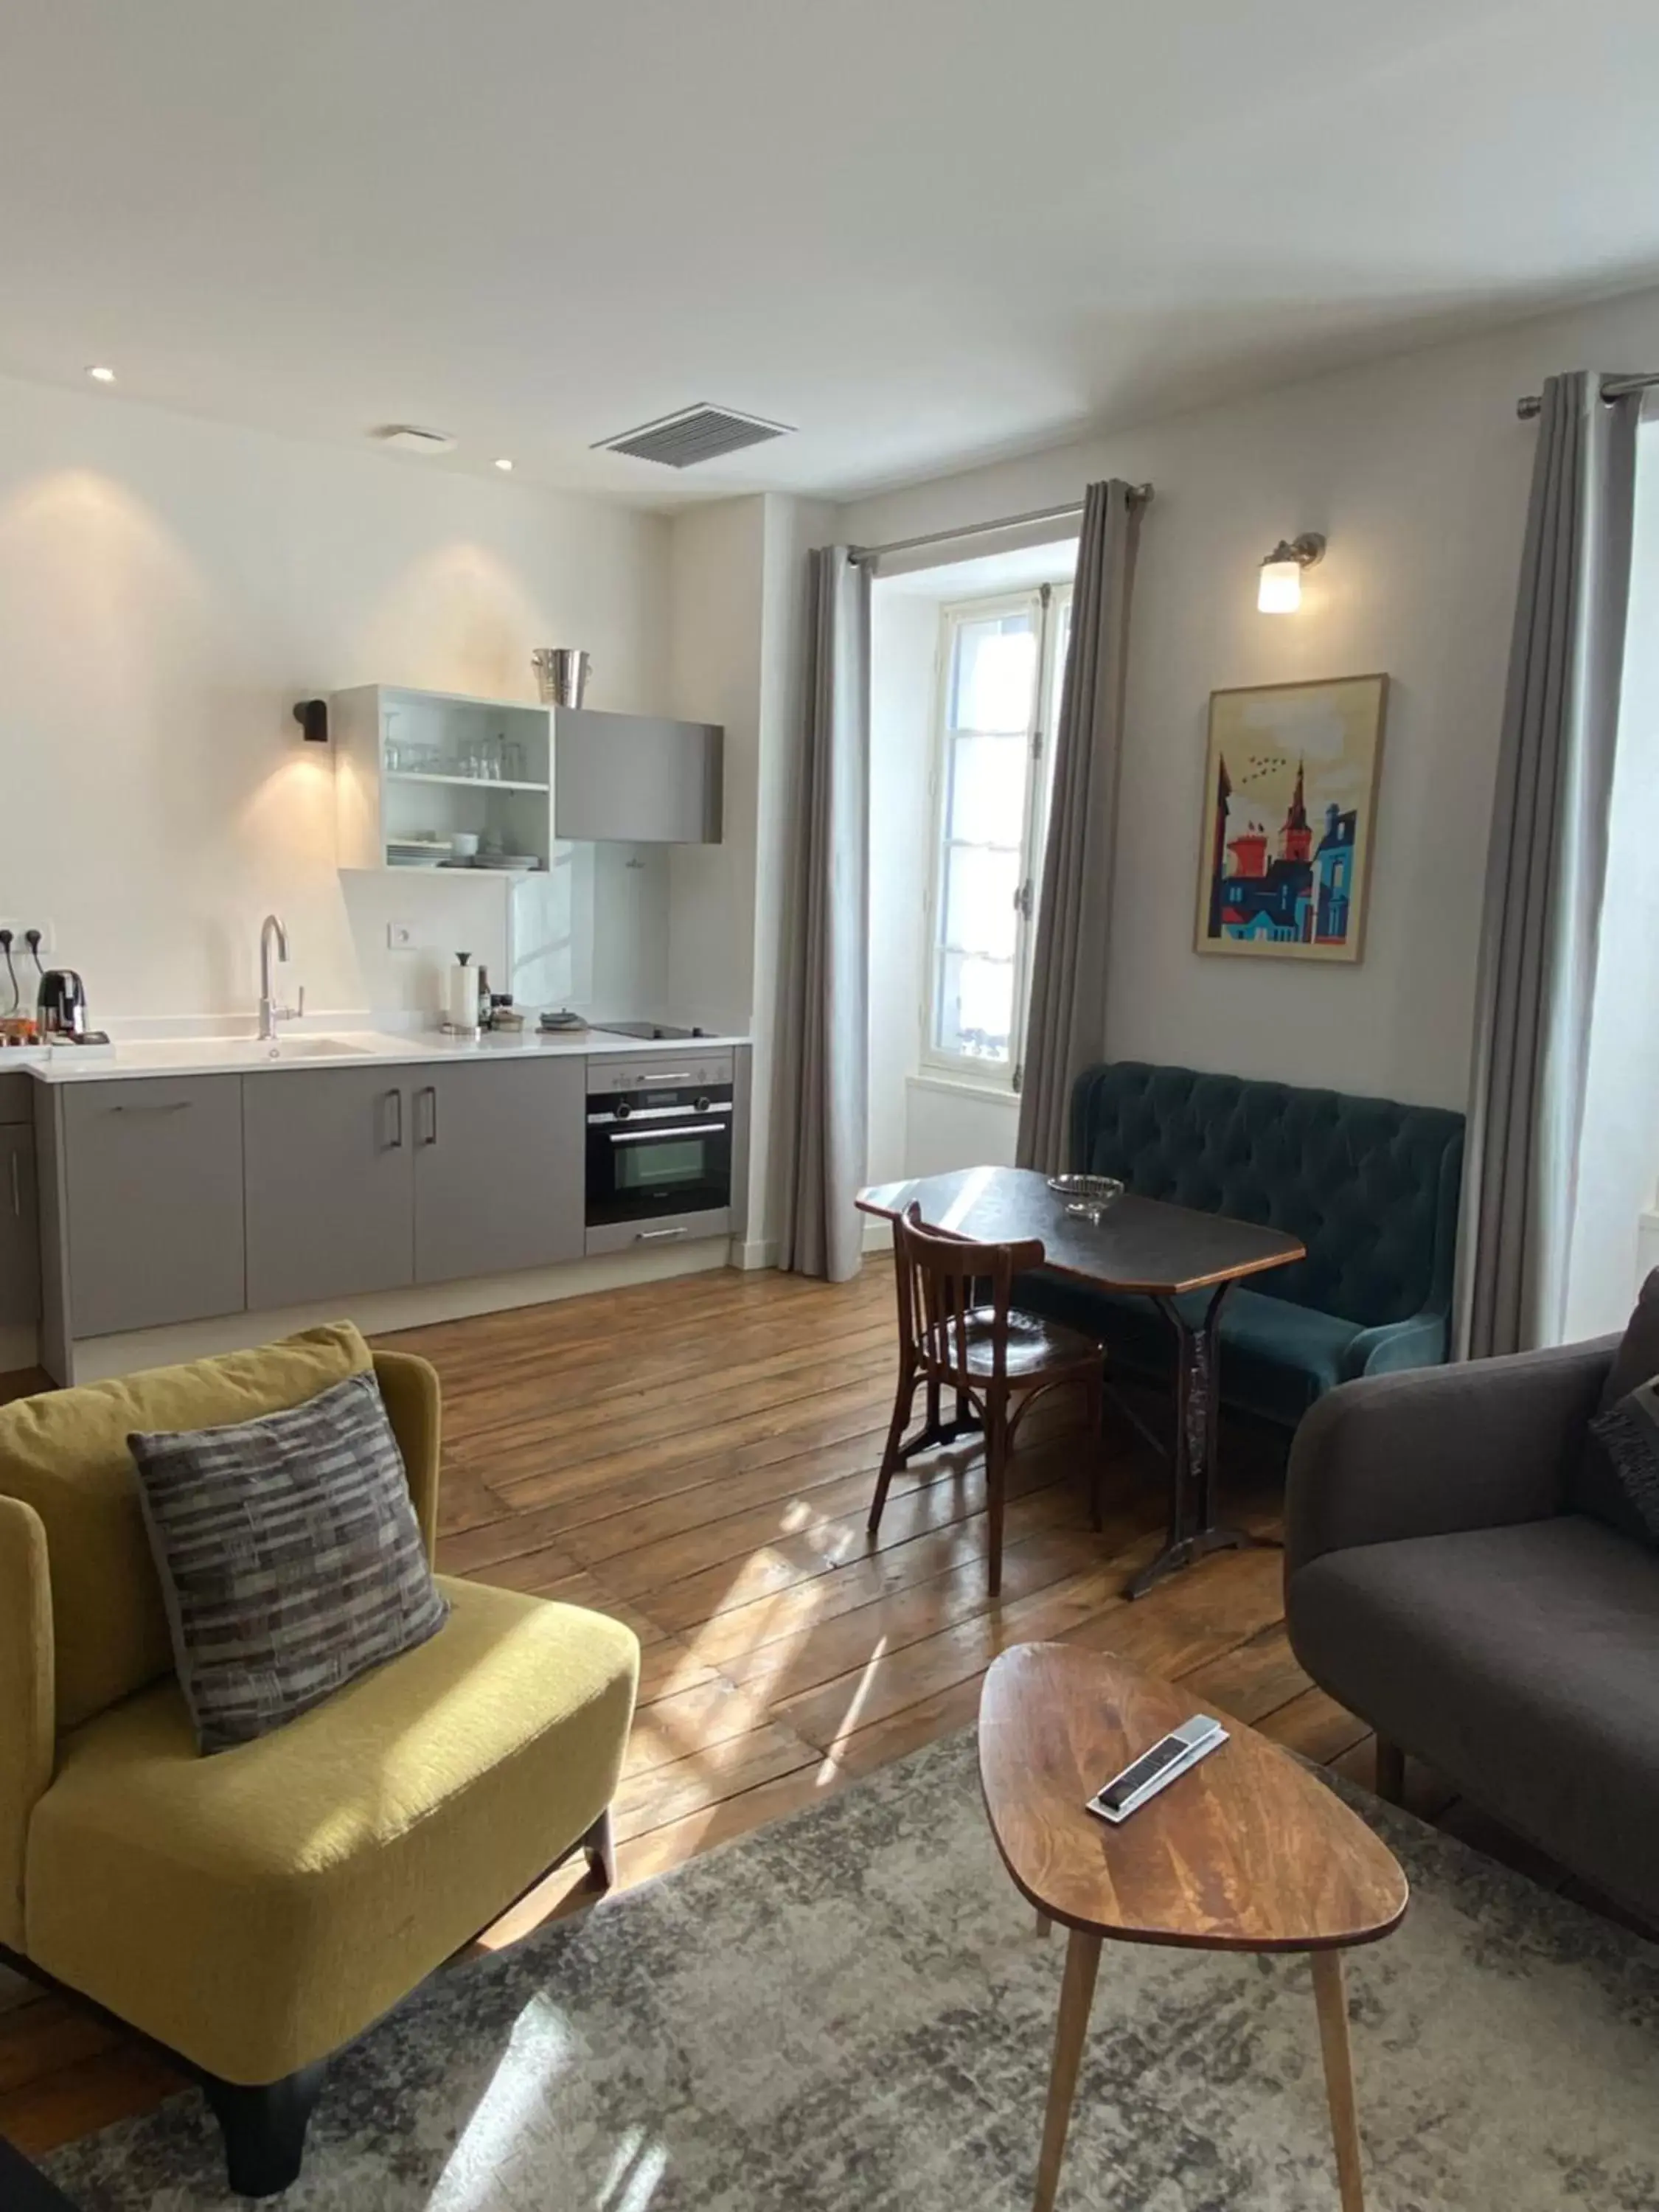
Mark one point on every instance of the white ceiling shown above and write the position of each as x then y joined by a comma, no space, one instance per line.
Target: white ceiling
925,231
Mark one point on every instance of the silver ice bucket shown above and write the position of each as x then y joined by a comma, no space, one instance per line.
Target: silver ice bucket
562,673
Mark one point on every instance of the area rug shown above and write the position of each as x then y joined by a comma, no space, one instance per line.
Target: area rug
852,2009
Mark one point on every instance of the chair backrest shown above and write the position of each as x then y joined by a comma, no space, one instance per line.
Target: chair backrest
942,1280
65,1455
1370,1186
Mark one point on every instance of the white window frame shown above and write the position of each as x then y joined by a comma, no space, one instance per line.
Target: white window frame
1045,604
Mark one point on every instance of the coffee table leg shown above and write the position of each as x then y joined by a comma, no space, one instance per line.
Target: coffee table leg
1331,1996
1076,1994
1045,1926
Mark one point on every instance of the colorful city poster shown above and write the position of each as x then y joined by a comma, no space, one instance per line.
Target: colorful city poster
1289,795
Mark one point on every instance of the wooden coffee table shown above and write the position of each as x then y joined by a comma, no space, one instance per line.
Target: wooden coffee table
1247,1852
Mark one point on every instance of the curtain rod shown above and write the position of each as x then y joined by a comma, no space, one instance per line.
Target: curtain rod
1140,494
1612,387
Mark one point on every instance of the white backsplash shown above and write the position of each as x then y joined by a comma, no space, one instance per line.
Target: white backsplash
591,933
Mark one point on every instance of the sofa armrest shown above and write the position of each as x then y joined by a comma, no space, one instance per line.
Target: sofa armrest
1419,1342
1429,1452
29,1699
409,1389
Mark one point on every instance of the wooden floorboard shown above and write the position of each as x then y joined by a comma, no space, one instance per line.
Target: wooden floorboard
696,1458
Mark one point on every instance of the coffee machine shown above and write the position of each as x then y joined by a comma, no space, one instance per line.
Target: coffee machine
61,1008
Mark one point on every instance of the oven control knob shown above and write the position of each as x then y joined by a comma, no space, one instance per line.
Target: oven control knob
699,1106
623,1109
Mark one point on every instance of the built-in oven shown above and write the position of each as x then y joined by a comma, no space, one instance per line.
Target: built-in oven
660,1134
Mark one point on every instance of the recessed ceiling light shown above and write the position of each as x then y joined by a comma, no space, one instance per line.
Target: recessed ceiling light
503,462
99,374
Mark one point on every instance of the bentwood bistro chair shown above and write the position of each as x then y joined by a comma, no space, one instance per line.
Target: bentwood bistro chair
960,1332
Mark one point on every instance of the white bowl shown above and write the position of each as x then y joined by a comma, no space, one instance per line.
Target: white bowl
463,844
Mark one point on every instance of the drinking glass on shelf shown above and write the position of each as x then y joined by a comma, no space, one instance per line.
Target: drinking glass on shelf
394,750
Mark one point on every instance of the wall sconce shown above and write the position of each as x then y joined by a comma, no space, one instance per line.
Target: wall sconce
1279,591
312,715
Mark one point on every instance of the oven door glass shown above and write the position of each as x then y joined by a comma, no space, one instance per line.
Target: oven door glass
638,1173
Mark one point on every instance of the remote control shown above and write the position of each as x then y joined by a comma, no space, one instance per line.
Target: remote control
1155,1769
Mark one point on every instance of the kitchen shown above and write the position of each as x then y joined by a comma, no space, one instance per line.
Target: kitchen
166,598
228,1185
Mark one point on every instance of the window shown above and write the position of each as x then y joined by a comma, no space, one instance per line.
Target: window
1002,663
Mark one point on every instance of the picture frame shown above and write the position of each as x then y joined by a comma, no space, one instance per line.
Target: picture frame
1289,804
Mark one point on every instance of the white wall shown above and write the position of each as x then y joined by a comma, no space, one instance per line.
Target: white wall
168,588
903,655
1417,470
737,639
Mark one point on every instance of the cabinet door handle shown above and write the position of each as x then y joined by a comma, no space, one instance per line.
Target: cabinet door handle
397,1098
16,1189
430,1093
163,1106
658,1236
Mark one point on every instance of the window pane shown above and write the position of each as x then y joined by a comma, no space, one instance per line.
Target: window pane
979,900
986,804
1062,645
975,1015
992,667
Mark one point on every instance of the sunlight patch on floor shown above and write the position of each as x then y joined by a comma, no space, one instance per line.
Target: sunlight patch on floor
540,2049
635,2170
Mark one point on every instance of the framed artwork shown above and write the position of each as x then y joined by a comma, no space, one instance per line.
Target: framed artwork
1290,802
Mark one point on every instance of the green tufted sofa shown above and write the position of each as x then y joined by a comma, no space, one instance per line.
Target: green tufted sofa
1370,1186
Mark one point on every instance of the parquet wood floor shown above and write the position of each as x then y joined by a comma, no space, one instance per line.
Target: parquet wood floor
697,1457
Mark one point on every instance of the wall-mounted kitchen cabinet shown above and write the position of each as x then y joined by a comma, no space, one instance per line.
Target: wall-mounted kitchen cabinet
414,769
637,778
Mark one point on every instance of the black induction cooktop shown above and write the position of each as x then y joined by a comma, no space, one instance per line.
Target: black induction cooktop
659,1032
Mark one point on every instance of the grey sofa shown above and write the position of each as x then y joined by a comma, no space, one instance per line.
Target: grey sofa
1438,1586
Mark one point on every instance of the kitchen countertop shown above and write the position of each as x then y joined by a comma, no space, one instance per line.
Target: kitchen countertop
341,1048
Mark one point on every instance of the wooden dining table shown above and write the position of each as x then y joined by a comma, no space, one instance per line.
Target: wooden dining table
1144,1246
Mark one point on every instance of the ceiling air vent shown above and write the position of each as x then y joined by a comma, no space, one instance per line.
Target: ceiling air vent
404,438
695,434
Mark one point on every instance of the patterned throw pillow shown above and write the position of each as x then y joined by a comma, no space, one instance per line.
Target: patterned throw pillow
1625,1440
290,1555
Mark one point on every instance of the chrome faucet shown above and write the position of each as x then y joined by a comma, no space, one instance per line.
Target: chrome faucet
271,931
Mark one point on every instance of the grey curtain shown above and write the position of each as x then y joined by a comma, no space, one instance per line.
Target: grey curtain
826,1085
1546,874
1066,1028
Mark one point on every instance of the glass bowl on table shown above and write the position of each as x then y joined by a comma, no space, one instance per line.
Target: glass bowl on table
1087,1196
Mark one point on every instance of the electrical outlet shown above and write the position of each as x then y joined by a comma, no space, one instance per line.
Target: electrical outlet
399,937
19,950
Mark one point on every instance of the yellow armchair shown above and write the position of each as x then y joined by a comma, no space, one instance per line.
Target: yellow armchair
254,1911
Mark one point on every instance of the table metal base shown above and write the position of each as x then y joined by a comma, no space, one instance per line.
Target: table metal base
1194,1532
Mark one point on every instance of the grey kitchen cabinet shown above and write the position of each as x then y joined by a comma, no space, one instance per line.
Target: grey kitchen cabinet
638,779
329,1175
20,1227
151,1170
500,1167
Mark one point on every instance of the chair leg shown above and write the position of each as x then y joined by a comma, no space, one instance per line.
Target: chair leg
264,2127
600,1845
902,1404
996,1482
1096,1400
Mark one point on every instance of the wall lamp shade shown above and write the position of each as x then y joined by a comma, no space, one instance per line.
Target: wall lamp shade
312,715
1279,588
